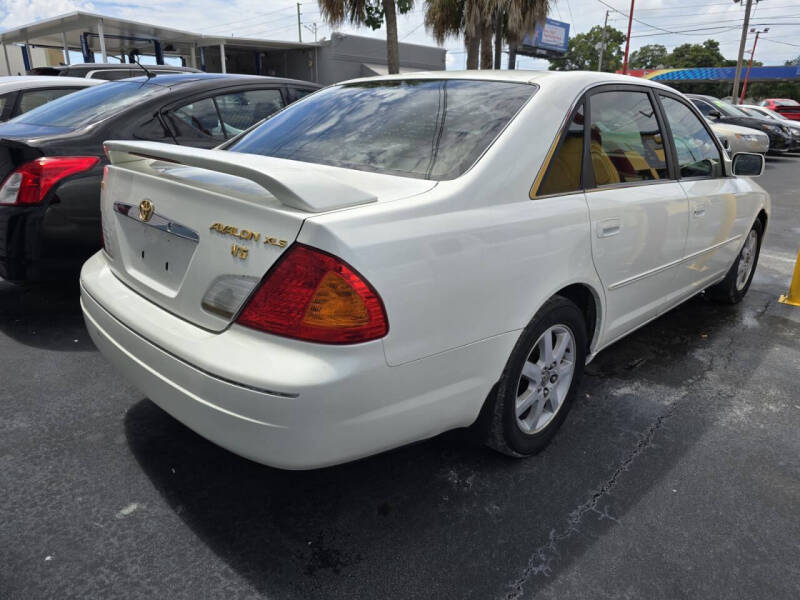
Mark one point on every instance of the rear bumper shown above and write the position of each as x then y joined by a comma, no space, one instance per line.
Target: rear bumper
280,402
39,242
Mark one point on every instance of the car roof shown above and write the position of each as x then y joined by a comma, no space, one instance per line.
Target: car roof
22,82
93,66
575,79
173,79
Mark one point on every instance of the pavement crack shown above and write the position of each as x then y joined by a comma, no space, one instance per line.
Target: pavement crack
540,562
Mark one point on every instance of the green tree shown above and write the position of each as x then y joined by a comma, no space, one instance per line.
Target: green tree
649,57
706,54
583,51
372,13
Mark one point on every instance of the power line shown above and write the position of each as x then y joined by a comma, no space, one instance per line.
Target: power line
779,42
250,18
689,31
634,18
412,31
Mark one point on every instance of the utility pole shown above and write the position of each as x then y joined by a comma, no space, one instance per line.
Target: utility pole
299,25
312,29
628,41
735,93
603,44
750,64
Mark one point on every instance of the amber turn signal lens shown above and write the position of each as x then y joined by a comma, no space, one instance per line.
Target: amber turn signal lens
314,296
336,304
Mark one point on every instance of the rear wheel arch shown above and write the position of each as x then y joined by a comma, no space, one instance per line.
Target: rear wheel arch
762,216
586,298
588,301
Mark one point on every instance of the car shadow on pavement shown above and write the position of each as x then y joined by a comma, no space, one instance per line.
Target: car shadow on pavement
44,315
446,517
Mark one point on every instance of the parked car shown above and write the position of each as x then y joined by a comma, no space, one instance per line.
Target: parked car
780,136
740,139
394,257
785,106
52,157
108,71
768,113
19,94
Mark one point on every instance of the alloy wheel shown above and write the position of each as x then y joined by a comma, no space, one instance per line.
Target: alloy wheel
545,379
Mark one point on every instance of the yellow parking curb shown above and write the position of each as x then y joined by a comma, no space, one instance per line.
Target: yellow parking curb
793,297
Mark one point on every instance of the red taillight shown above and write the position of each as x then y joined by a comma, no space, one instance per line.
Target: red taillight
30,183
314,296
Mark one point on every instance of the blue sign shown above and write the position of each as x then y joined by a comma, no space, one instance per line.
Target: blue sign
551,37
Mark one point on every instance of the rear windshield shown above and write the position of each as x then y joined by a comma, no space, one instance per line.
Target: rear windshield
90,105
428,129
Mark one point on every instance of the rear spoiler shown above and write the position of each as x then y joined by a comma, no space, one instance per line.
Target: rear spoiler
296,184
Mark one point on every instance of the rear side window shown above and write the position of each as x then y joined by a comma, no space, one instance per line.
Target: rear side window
91,104
698,155
243,109
430,129
112,74
626,142
564,173
31,99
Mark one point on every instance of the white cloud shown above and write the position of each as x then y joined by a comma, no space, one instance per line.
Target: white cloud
21,12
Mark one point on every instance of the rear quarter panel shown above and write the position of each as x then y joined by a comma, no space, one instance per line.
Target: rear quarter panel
475,257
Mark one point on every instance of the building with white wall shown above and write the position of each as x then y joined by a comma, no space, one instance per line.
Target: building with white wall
49,42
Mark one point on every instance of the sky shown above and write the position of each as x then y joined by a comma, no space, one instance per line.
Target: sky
670,23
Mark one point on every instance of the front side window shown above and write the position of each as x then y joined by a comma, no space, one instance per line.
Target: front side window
197,120
296,93
424,128
564,172
240,110
698,155
626,142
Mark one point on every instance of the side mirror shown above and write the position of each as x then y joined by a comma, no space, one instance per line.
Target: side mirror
715,114
747,164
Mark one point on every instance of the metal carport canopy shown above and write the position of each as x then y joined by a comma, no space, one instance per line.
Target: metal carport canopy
66,30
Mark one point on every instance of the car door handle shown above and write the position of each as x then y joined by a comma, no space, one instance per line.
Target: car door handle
699,209
608,227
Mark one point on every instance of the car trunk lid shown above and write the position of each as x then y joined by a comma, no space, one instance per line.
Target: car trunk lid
195,230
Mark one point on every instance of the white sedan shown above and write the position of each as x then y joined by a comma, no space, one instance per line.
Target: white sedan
740,139
19,94
394,257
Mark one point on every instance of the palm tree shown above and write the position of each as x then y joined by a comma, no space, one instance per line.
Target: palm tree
479,20
372,13
454,18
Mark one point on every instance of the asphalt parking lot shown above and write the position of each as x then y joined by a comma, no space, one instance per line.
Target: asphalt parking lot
676,475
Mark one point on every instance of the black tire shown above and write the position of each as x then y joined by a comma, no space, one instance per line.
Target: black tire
503,432
726,291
